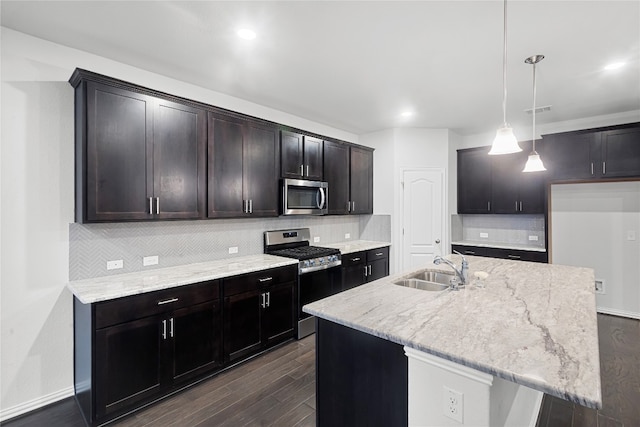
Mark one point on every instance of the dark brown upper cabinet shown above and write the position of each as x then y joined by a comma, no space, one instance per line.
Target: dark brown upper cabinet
349,172
301,156
474,181
594,154
138,156
243,168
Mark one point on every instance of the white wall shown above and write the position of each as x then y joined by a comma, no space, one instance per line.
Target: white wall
590,227
36,154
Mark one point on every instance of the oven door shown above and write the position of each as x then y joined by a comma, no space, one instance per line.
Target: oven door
302,197
312,287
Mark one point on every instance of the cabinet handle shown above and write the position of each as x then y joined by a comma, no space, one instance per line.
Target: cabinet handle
150,205
365,271
520,206
369,269
157,205
514,256
604,168
353,206
265,279
516,206
245,203
167,301
348,206
381,253
469,253
268,303
591,168
171,327
488,206
301,170
307,170
164,329
264,300
250,206
355,259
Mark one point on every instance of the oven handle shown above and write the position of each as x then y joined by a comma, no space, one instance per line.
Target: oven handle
322,198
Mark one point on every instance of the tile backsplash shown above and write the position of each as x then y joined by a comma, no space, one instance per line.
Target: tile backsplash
505,229
186,242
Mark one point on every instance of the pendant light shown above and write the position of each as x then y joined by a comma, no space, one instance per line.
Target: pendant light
505,141
534,163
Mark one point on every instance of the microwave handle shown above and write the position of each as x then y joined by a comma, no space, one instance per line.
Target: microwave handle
322,198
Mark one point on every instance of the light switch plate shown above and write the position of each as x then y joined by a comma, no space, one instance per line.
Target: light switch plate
316,239
533,238
233,250
347,235
115,264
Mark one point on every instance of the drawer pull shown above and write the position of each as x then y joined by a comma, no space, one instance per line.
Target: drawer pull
380,254
265,279
167,301
355,259
514,256
469,253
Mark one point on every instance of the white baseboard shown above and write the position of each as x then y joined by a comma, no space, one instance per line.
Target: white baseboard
23,408
616,312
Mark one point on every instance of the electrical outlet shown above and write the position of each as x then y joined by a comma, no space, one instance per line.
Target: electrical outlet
114,265
484,235
316,239
533,238
452,404
150,260
347,235
233,250
600,286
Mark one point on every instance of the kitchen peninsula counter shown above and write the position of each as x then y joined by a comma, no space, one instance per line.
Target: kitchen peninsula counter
533,324
89,291
357,246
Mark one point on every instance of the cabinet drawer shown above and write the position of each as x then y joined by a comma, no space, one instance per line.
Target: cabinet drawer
260,279
139,306
379,253
514,254
354,258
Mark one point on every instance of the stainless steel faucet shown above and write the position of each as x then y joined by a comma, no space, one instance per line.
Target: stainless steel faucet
462,273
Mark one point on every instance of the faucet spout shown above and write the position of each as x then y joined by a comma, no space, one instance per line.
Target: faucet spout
462,272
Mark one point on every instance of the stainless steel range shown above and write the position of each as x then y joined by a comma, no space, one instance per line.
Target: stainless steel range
319,275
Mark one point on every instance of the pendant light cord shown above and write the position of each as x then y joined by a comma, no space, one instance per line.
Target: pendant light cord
533,129
504,68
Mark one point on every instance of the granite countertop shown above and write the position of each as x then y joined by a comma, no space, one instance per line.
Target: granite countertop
533,324
98,289
357,246
499,245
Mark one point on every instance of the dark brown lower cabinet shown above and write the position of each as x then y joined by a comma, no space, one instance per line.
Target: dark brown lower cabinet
361,380
365,266
133,350
514,254
259,310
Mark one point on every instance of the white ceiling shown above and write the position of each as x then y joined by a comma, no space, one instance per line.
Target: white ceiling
357,65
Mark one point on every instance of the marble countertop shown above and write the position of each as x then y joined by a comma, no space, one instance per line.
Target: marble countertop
356,246
98,289
534,324
499,245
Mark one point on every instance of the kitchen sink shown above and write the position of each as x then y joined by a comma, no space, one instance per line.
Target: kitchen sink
422,284
433,276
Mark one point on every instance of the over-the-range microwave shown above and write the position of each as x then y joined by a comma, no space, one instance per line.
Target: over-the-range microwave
303,197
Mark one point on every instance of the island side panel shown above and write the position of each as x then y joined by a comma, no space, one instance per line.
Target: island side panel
360,379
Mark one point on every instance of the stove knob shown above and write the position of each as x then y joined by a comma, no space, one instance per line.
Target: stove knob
312,262
305,263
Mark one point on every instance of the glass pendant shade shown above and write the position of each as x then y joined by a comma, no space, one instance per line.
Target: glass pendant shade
505,142
534,163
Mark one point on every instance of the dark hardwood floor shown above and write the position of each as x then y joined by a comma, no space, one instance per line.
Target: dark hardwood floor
278,388
619,340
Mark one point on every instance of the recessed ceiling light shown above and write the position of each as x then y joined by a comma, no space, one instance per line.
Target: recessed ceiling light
247,34
614,66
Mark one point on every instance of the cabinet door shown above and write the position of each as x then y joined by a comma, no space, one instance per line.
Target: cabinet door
361,181
225,168
128,364
242,325
571,156
179,147
119,174
336,173
505,178
292,155
474,181
196,335
278,316
261,170
620,153
531,193
313,158
353,270
378,269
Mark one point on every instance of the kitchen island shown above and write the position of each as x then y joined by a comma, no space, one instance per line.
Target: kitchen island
493,351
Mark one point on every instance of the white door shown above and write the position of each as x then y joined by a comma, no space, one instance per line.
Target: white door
422,217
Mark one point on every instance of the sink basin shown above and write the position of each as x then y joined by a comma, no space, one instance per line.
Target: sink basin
434,276
422,284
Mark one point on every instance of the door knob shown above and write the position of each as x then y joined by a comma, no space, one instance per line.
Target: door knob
437,241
